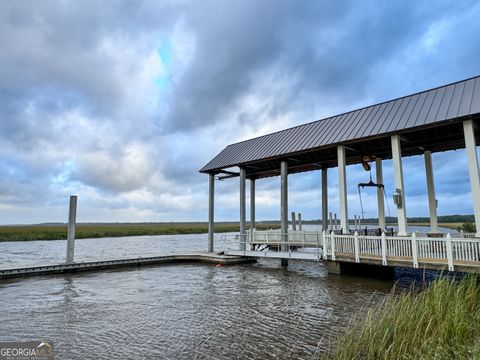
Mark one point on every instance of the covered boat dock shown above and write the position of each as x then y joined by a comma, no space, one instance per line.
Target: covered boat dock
440,119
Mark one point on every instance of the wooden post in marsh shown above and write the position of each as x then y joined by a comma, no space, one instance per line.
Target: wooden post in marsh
72,217
294,222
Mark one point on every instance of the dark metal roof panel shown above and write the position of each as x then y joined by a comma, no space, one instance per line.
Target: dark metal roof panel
404,106
330,138
447,98
466,98
437,101
375,125
422,115
330,128
287,141
475,105
456,99
299,139
350,134
320,131
391,116
251,150
243,150
413,105
428,107
346,123
309,137
269,142
409,118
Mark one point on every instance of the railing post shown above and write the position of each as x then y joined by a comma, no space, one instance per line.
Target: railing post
414,250
332,245
357,247
462,233
384,249
448,243
303,241
324,250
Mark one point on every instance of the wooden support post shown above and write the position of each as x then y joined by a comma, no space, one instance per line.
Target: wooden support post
294,222
324,241
72,220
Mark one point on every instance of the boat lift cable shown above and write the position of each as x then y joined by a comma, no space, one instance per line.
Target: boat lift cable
371,184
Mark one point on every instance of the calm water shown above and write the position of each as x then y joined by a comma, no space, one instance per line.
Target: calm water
182,311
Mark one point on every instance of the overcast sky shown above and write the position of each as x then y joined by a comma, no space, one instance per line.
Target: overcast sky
121,102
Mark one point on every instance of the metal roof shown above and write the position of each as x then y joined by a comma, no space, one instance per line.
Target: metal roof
423,110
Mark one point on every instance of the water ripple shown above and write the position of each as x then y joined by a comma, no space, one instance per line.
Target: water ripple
186,311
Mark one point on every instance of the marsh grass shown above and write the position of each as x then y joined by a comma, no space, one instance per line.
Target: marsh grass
59,232
440,322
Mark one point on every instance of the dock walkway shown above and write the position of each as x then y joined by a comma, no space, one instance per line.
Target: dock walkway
212,257
436,253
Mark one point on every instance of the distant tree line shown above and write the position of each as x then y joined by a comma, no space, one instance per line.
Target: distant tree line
420,219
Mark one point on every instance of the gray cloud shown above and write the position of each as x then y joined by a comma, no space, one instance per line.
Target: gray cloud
122,102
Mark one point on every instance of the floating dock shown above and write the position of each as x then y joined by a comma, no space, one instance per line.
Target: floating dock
206,257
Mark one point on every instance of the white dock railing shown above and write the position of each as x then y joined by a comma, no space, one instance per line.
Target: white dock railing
315,245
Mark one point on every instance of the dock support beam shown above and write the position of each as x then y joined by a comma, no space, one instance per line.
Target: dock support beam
252,205
432,201
324,199
243,214
211,210
72,219
398,174
342,183
473,170
380,194
284,207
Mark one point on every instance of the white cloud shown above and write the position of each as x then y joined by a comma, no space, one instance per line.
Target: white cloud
122,103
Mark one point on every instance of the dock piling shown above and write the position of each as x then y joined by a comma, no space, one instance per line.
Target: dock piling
72,218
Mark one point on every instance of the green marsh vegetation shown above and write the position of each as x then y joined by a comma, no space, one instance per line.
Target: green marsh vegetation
440,322
83,231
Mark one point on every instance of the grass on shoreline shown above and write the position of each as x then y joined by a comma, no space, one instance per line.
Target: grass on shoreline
454,225
59,231
83,231
440,322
